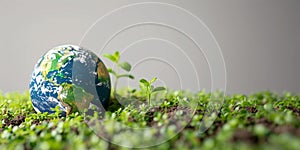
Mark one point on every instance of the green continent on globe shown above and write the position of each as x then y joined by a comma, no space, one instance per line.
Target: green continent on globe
69,77
74,98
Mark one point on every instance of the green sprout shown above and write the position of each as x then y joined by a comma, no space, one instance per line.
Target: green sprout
115,58
147,88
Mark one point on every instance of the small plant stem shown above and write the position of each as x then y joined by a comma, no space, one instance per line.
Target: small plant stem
116,82
149,102
149,96
115,85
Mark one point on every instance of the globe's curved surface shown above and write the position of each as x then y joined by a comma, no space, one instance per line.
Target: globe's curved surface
71,78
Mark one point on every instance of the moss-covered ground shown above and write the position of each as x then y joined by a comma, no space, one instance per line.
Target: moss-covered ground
258,121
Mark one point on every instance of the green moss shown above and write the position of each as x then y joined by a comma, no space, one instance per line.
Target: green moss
262,120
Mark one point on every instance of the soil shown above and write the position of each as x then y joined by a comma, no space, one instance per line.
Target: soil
277,129
286,129
36,122
294,109
150,115
171,112
251,109
17,120
245,136
265,122
248,108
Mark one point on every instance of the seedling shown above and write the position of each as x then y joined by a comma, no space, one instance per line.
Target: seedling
115,58
147,88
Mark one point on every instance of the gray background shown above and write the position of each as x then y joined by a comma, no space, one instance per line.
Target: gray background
259,40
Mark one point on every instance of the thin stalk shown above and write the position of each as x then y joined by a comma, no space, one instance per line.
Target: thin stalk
149,96
116,81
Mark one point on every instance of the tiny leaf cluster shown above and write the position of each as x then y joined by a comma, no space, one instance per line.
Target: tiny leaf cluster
115,58
148,88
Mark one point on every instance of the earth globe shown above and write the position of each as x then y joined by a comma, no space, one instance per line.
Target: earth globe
69,78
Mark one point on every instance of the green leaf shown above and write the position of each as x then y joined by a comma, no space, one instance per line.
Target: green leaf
110,70
153,80
158,89
144,82
125,65
143,88
117,56
111,57
126,75
133,91
131,76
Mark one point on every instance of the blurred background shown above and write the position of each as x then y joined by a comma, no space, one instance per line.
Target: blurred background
259,40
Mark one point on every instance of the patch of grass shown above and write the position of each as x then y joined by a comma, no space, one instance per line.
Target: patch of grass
262,120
